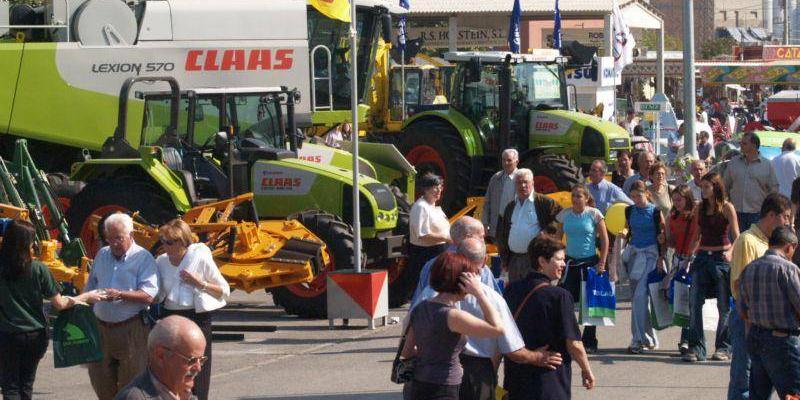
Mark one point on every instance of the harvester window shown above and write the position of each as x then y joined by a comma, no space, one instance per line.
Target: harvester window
156,119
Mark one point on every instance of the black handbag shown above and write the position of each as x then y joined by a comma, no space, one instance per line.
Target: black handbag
403,368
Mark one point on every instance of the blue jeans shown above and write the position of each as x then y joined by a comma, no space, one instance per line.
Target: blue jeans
710,274
775,363
739,386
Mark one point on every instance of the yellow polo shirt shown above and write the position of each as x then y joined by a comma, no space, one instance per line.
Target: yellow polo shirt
748,246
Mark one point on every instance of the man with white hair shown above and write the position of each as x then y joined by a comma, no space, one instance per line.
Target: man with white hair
127,274
175,350
464,228
500,191
481,356
522,220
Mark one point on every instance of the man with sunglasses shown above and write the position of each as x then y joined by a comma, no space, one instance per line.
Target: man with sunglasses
175,350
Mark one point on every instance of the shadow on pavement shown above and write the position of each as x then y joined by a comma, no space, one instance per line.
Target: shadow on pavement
613,356
336,396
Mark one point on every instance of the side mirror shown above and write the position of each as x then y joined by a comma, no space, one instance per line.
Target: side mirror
572,98
474,70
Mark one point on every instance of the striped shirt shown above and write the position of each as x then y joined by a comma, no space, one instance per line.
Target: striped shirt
769,289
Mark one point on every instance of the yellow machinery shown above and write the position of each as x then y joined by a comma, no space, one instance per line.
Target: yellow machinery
251,256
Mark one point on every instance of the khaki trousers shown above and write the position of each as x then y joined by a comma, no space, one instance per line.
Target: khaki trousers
124,356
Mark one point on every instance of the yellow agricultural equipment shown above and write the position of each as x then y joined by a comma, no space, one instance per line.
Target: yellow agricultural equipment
250,255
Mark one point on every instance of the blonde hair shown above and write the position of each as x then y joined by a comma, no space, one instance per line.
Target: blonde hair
176,231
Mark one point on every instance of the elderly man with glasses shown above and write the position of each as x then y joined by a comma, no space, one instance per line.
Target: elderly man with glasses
175,350
126,273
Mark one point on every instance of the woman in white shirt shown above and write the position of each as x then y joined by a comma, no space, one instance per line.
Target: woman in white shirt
190,285
428,226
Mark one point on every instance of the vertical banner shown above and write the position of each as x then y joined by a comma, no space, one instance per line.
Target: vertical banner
513,28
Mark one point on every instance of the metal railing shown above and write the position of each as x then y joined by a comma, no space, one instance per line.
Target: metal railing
315,78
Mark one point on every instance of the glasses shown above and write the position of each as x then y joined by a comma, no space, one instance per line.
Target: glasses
116,239
190,361
167,242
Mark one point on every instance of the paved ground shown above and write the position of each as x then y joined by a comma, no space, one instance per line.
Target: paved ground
305,360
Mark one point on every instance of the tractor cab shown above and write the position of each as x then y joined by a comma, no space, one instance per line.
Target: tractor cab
498,90
221,133
426,87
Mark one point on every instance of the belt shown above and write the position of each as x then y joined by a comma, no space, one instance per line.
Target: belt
518,254
710,252
117,324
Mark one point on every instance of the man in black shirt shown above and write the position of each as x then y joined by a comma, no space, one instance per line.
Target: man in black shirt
545,316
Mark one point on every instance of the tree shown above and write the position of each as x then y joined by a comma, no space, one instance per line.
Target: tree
649,40
717,47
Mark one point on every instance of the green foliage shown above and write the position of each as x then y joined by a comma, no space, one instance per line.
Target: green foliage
717,47
649,40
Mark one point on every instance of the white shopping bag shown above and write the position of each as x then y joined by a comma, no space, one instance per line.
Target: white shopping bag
680,303
660,313
710,315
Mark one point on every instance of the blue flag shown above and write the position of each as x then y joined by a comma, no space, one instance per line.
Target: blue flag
557,29
401,28
513,28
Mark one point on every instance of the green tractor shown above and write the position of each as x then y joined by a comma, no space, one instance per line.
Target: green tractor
208,144
500,100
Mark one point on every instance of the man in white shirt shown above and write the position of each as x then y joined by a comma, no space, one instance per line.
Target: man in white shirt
698,170
523,219
787,166
500,191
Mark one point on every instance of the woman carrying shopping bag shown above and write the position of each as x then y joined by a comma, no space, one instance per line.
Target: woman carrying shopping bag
583,224
718,228
680,234
645,224
24,282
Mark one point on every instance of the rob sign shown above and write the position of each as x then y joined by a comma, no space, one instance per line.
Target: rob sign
643,106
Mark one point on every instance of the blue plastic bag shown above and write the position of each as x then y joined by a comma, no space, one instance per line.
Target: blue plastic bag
601,299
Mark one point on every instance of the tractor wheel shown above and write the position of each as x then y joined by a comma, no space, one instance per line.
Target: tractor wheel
308,300
436,147
105,197
399,289
553,173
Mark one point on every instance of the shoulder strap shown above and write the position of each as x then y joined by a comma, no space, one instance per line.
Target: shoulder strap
528,296
405,333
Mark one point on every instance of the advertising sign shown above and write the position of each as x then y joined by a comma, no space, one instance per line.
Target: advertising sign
438,37
548,124
775,53
586,37
274,179
604,75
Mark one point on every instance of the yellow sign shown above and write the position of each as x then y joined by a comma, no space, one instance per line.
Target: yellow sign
335,9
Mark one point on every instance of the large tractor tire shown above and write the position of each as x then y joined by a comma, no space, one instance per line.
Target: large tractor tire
309,300
553,173
104,197
436,147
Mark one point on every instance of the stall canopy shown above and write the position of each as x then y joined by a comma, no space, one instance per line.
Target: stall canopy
750,73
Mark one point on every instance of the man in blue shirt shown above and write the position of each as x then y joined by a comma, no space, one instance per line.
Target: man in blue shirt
481,356
127,273
464,227
604,192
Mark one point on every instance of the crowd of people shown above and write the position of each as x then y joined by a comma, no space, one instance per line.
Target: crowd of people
129,291
728,228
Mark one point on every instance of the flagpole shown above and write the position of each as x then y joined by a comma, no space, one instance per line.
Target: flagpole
354,135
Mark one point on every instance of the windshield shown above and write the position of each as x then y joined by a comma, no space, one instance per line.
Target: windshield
252,116
535,84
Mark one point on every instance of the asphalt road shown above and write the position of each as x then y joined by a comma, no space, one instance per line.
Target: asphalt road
303,359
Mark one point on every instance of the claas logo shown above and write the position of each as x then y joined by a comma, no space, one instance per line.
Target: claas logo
316,159
280,183
239,60
546,125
